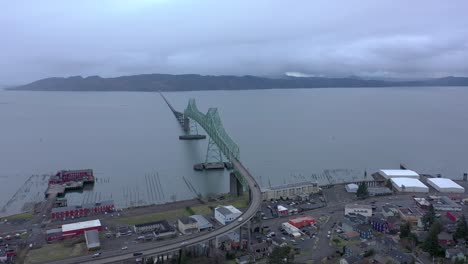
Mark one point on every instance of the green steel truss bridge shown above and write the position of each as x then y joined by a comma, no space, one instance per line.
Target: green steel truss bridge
220,143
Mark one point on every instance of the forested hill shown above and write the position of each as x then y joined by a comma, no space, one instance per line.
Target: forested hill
194,82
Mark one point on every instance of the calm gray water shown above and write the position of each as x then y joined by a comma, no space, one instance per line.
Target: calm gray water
131,139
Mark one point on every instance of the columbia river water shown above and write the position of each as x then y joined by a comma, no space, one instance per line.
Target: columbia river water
130,139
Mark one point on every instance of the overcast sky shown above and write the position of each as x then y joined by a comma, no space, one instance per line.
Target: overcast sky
397,38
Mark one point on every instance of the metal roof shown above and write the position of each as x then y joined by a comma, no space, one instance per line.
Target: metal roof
359,206
201,221
92,239
187,220
53,231
222,210
81,225
282,208
162,224
398,173
409,182
227,209
444,183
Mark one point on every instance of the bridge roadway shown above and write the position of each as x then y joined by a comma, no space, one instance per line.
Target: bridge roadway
172,245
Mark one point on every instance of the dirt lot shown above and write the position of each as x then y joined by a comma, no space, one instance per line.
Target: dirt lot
54,252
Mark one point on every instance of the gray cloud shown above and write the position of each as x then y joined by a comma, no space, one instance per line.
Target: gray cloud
409,39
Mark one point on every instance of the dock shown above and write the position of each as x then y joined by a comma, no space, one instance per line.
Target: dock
213,166
192,137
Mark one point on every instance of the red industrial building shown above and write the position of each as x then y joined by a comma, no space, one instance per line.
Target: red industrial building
86,209
54,234
76,229
302,221
65,176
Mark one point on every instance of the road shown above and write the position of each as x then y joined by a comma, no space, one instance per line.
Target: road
172,245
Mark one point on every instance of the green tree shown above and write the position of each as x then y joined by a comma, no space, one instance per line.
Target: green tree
362,191
405,230
431,244
281,255
462,229
413,238
428,218
369,253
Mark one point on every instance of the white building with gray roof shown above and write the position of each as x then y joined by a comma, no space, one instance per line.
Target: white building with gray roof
226,214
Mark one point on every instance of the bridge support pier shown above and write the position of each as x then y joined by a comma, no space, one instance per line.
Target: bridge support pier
235,186
186,125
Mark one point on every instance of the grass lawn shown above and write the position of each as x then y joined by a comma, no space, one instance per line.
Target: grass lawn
338,242
240,202
22,216
166,215
56,251
202,210
172,215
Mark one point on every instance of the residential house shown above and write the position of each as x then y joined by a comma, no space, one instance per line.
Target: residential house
454,216
411,215
400,257
445,238
388,210
226,243
365,231
378,224
276,241
350,235
350,260
231,241
393,223
246,259
259,250
385,244
381,259
455,254
351,220
353,250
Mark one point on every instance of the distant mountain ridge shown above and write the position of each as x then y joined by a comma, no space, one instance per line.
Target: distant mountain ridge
195,82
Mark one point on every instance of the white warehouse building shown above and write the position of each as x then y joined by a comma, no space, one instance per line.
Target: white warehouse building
389,174
409,185
226,214
445,185
351,188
